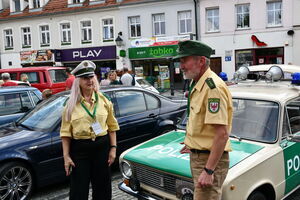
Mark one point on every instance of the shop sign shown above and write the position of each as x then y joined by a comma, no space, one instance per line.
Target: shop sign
36,56
158,41
227,58
153,52
92,53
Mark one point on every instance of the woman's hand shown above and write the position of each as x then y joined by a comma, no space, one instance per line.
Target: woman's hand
111,156
68,165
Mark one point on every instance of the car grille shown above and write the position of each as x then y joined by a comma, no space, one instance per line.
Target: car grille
155,179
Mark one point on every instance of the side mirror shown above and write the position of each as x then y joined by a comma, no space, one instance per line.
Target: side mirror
294,138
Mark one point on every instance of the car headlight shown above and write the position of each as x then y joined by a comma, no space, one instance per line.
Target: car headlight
126,169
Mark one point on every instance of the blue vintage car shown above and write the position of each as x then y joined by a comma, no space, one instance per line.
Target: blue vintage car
16,100
31,150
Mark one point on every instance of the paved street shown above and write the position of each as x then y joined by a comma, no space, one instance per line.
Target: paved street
60,191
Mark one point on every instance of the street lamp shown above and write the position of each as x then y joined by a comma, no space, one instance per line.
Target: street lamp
119,40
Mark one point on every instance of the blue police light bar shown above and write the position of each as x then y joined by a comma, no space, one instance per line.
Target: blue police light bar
296,78
223,76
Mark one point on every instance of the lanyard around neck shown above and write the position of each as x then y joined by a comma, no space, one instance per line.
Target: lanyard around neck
95,107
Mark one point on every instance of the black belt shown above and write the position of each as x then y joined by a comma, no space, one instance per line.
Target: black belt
202,151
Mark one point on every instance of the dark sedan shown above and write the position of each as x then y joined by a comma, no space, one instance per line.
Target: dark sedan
31,152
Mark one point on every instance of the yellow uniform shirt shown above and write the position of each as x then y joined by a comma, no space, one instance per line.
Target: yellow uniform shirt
79,127
207,107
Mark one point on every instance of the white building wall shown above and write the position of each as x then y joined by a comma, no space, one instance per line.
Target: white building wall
95,16
228,38
145,11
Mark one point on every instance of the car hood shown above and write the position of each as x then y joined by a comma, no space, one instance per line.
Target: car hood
163,153
10,136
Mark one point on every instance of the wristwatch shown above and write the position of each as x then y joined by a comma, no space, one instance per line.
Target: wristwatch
209,171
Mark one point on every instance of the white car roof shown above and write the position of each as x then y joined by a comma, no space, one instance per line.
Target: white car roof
280,91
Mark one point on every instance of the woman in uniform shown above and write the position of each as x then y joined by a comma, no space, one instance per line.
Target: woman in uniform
88,134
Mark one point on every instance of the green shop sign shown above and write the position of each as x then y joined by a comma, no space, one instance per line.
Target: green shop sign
153,52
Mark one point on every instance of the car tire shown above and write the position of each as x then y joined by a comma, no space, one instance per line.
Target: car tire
257,195
16,181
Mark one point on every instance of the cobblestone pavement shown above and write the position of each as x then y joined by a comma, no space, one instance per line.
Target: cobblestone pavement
60,191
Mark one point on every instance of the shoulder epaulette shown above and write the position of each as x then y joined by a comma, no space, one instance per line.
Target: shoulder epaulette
66,101
210,82
106,96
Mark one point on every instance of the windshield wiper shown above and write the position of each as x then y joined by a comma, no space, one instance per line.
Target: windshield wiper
235,136
27,127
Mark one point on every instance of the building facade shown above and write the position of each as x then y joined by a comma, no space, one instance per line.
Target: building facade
244,32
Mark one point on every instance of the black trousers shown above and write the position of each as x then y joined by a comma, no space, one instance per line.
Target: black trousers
91,166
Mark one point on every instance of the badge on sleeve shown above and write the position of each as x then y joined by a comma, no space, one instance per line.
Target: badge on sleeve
213,105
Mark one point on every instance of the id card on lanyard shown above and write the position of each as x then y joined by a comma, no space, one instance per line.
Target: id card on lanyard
96,125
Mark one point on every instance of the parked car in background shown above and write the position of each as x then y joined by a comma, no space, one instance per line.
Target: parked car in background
53,78
31,149
17,100
141,82
265,141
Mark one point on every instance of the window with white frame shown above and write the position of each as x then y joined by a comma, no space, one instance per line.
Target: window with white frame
36,4
65,33
212,19
45,35
134,26
242,16
26,37
159,24
108,29
8,39
76,1
274,12
185,22
17,5
86,31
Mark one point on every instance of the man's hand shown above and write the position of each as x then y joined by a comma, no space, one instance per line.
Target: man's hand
111,156
68,164
184,149
205,180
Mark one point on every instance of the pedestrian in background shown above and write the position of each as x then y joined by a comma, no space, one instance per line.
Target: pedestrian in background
209,122
126,78
24,78
7,81
88,134
112,76
106,80
70,79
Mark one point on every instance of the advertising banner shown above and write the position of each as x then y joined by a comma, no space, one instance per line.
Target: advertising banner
36,56
158,41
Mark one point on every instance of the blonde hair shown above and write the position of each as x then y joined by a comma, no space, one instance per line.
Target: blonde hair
75,96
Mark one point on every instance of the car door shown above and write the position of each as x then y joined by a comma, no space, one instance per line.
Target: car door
137,122
291,126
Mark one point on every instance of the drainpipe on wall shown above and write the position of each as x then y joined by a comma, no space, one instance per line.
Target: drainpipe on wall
196,17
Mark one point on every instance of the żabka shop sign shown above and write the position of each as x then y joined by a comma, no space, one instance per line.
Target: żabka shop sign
153,52
93,53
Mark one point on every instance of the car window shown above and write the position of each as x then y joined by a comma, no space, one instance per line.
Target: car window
26,100
293,110
285,125
33,77
58,75
130,102
152,102
45,115
12,104
35,98
255,120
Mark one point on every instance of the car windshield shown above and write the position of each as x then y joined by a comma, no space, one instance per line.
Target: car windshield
58,75
45,115
252,119
143,82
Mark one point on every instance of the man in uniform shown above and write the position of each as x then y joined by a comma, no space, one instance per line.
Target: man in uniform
209,123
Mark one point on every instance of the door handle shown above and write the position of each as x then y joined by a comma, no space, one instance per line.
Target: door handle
152,115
